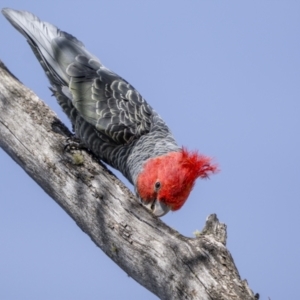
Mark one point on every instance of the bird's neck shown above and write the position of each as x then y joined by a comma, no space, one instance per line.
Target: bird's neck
148,147
129,159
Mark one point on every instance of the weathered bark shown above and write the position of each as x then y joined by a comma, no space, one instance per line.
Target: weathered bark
159,258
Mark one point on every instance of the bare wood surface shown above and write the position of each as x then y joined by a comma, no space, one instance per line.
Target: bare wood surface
159,258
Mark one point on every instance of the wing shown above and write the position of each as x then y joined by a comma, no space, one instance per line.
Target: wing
107,101
100,96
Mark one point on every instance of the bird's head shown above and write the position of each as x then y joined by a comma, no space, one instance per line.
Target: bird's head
166,181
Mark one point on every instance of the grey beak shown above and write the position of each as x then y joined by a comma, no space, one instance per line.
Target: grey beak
156,207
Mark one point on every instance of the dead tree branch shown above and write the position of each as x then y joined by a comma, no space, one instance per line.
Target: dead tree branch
159,258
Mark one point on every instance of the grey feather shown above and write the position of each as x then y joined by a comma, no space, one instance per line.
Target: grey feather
108,114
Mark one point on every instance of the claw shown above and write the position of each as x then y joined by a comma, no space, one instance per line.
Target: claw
73,143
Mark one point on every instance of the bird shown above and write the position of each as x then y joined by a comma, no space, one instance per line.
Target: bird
112,119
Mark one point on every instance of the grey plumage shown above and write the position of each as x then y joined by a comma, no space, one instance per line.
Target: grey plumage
108,115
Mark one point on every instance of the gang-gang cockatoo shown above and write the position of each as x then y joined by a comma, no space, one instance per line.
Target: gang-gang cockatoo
112,119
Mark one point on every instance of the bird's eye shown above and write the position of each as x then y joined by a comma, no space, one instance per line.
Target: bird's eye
157,185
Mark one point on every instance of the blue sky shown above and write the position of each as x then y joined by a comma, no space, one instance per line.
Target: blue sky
225,77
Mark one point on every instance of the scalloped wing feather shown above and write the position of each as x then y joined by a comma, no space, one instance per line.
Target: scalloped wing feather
107,101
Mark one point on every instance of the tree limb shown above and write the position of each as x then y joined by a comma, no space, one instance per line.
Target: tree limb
159,258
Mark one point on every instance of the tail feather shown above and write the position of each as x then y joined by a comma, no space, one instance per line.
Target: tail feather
55,49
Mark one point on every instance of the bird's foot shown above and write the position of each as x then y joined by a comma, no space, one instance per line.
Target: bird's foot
72,150
73,143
